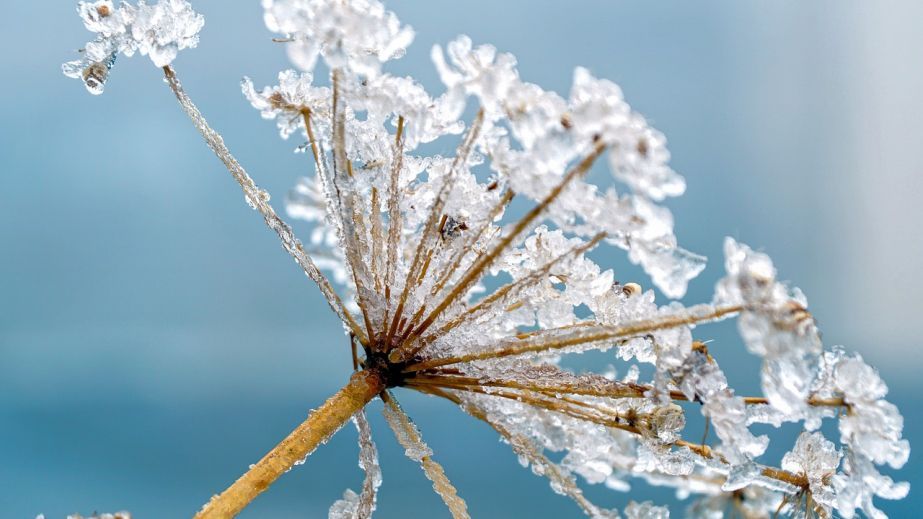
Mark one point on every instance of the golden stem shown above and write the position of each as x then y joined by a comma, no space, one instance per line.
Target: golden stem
526,447
603,334
363,386
702,450
583,411
306,115
394,225
377,240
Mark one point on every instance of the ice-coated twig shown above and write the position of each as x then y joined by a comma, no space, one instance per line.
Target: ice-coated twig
349,214
394,223
585,336
505,294
560,481
259,200
417,284
409,437
641,424
431,227
368,460
361,506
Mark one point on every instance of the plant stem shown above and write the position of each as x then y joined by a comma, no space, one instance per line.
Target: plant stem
259,200
320,425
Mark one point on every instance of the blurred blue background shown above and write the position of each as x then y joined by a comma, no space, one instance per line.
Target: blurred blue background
155,340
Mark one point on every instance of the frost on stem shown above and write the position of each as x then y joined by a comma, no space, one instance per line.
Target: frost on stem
414,240
414,447
361,506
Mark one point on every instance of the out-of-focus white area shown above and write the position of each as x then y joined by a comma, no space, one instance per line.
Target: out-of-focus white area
886,183
835,103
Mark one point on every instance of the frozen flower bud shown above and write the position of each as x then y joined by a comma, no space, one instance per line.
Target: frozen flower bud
873,427
105,19
287,101
774,324
425,119
859,483
159,30
93,69
751,277
666,422
637,153
816,458
163,29
358,35
631,289
479,71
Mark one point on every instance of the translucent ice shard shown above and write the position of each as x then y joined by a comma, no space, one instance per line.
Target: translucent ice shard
356,34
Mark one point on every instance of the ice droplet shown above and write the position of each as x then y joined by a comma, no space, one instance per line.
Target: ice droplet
96,75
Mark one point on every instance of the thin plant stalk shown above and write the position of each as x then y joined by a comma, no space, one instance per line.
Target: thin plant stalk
327,419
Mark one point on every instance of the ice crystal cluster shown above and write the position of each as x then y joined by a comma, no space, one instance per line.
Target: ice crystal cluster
159,31
448,291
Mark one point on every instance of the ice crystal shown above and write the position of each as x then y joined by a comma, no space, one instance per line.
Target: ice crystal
449,291
817,459
159,30
775,325
358,34
646,510
361,506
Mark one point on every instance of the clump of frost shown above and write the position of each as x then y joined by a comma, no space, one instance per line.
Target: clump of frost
159,30
646,510
357,34
774,324
817,459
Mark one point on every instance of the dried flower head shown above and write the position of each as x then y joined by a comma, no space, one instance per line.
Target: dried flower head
449,292
160,31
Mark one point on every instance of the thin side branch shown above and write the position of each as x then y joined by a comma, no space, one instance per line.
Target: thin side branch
259,200
560,480
595,334
504,293
409,437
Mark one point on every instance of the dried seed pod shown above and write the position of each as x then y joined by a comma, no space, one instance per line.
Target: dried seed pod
632,289
666,422
796,317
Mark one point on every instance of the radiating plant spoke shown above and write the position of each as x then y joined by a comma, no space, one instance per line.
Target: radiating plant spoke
415,449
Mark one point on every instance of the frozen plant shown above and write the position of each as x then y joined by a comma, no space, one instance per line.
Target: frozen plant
411,241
